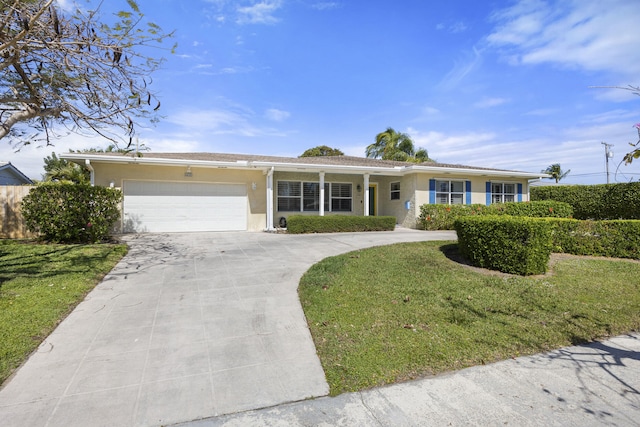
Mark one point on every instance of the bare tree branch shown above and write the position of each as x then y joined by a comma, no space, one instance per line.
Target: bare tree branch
74,71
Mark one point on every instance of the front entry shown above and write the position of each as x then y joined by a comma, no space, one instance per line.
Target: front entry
373,199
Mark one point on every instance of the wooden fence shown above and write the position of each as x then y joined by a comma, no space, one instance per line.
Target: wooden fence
11,221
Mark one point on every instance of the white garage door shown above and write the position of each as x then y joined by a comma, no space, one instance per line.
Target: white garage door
181,206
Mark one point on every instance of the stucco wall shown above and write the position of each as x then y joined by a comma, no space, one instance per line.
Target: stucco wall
414,188
478,188
105,174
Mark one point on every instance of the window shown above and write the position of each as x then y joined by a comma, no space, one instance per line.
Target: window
340,197
395,191
311,196
289,196
450,192
296,196
502,192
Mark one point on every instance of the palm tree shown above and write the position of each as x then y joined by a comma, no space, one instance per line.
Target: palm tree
61,170
392,145
556,172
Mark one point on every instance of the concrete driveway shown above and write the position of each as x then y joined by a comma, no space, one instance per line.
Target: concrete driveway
187,326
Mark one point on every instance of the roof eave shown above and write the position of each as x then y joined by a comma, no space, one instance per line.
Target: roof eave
298,167
77,157
476,172
17,172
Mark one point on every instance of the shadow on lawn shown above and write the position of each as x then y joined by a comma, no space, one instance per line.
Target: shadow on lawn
451,252
44,263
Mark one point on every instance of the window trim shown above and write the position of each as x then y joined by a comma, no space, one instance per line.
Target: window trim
289,198
332,198
502,193
394,194
450,193
328,196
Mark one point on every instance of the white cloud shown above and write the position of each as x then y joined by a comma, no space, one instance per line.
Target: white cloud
259,13
328,5
458,27
586,34
276,115
490,102
541,112
454,28
238,122
461,69
430,110
577,147
66,5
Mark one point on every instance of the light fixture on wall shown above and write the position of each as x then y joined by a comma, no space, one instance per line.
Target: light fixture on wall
359,188
254,186
188,172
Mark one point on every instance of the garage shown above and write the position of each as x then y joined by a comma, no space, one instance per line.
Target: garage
159,206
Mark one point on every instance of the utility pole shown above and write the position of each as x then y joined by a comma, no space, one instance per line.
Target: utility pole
608,154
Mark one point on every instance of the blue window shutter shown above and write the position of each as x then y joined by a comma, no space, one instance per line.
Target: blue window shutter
519,192
432,191
468,191
488,193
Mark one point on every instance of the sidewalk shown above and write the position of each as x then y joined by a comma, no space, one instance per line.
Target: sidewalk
591,385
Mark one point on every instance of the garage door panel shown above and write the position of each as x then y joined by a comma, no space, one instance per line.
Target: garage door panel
169,206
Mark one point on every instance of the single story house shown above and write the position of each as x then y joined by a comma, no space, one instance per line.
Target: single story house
167,192
10,175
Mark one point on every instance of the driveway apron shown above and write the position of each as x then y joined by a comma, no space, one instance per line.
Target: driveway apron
187,326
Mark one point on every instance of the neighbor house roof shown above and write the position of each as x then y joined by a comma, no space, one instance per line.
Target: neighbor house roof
11,175
331,164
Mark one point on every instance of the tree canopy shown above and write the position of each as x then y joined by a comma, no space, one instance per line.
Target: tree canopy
61,170
556,172
322,150
70,71
393,145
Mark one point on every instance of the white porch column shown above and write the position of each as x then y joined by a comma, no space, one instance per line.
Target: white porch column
270,199
321,201
366,194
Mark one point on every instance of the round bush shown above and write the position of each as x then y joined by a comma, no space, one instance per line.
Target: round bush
71,213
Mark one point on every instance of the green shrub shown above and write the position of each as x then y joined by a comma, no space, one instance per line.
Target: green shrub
64,212
537,209
516,245
442,217
597,202
297,224
618,238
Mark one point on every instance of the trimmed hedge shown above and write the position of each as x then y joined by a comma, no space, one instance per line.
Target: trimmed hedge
521,245
616,239
516,245
298,224
443,217
597,202
71,213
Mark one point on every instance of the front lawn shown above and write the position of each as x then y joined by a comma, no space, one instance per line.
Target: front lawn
39,286
399,312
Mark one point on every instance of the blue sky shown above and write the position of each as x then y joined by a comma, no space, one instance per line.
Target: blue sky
504,84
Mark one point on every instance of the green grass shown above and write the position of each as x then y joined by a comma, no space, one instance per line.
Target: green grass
405,311
39,285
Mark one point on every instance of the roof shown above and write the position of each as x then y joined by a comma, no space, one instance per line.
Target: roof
338,164
7,167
